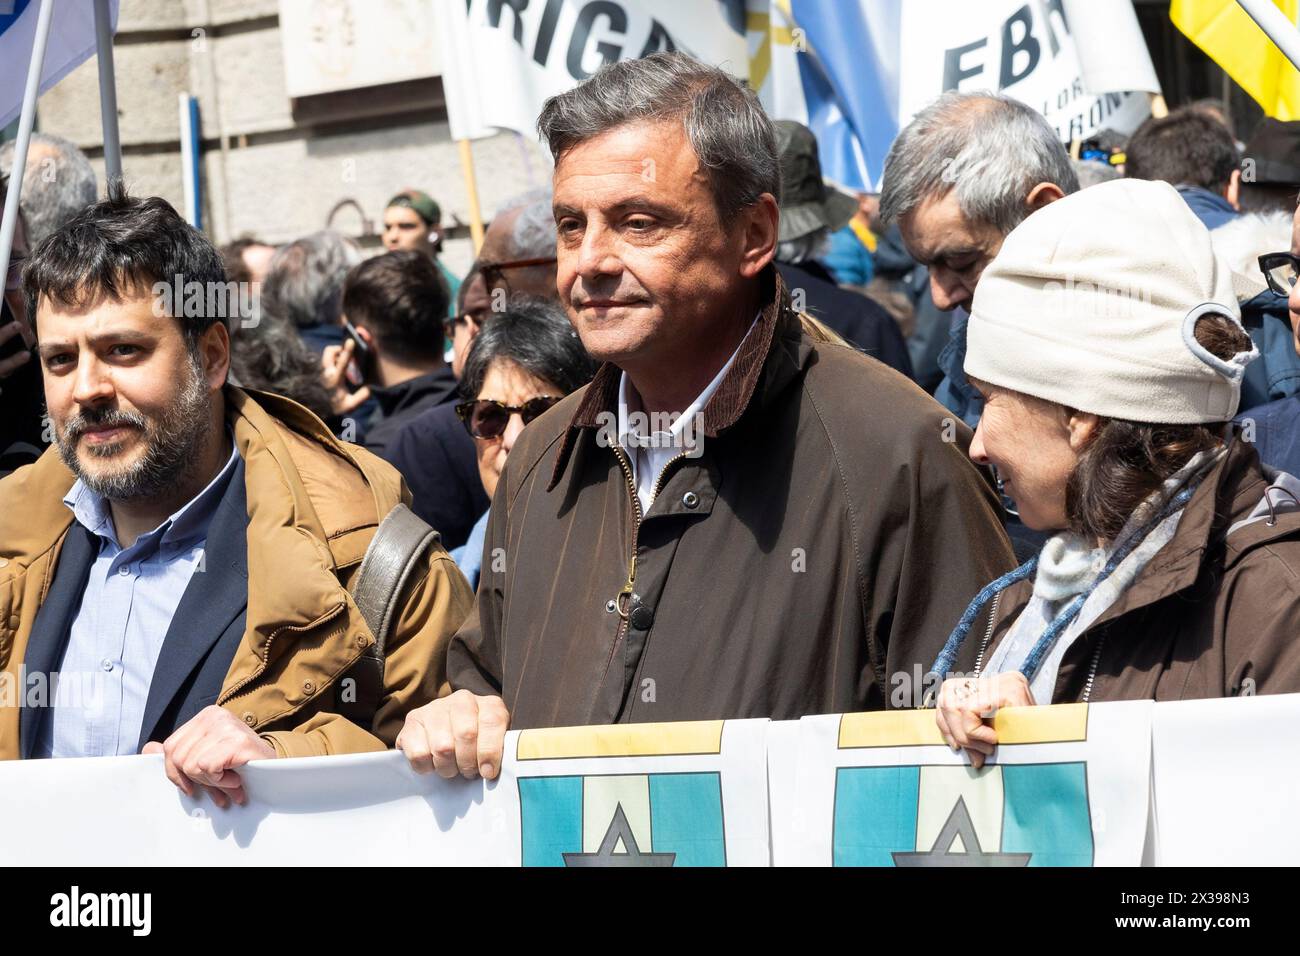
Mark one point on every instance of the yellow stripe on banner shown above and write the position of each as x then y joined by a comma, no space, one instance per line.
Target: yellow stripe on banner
891,728
630,740
1042,725
917,728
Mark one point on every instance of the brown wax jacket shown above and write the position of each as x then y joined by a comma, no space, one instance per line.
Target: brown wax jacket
828,537
1215,613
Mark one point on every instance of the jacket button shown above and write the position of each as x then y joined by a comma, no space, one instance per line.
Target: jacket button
611,606
691,499
249,718
308,687
361,640
642,617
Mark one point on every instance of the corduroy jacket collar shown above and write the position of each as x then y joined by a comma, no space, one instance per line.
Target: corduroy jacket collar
773,344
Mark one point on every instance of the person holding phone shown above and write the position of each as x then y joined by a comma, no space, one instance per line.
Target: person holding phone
393,307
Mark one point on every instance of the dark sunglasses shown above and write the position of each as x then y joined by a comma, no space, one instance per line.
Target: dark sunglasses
1281,270
485,418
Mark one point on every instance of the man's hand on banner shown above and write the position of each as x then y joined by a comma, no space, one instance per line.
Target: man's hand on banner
207,750
462,734
967,705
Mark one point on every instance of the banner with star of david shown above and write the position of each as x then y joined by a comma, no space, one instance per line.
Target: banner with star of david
1067,786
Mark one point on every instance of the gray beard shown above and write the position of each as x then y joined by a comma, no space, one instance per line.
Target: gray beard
173,444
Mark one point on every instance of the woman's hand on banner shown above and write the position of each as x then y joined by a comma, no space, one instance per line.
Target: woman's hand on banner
966,708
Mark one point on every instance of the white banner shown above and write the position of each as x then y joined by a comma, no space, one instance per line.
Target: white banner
501,60
1227,782
1068,785
1031,52
854,71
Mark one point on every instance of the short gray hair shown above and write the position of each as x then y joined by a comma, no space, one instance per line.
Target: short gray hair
731,135
1092,172
304,280
992,149
533,235
48,201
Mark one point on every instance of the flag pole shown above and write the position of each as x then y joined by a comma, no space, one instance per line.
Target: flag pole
28,118
107,90
471,189
1275,24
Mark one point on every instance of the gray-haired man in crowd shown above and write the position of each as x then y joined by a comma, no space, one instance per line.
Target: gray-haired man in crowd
964,173
735,518
58,183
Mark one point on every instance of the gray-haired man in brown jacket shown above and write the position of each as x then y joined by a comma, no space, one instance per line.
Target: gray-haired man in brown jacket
736,518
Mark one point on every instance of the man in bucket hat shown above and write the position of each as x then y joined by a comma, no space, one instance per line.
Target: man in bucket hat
810,212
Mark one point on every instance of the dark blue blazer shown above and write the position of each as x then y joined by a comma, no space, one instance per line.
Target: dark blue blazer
200,644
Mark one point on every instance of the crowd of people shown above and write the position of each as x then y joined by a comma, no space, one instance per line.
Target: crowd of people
723,441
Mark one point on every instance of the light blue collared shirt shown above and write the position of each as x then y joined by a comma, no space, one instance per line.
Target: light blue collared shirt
469,556
127,607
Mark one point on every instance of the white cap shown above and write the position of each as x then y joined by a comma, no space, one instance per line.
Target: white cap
1091,303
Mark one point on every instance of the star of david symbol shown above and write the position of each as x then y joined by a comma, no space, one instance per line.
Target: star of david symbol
971,854
619,829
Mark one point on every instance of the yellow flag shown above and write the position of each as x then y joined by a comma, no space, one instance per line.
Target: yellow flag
1233,40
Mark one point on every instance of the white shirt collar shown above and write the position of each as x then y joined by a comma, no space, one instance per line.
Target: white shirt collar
679,424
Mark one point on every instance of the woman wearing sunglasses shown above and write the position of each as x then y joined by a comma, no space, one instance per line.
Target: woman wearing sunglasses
1105,340
522,362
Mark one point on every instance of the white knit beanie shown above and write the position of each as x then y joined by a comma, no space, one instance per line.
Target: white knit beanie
1091,304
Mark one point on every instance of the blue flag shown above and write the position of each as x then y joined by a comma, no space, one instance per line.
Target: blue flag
71,42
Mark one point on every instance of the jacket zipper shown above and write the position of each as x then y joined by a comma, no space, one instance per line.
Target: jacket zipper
988,634
625,592
1092,671
266,651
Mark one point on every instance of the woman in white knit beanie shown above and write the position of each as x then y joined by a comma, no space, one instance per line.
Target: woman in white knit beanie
1105,340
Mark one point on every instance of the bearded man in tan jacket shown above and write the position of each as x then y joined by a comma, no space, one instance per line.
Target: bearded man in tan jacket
176,570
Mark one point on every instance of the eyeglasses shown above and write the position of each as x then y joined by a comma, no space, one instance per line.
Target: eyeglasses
14,274
474,320
494,273
488,419
1281,270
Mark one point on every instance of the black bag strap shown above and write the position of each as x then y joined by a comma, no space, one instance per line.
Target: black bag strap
400,541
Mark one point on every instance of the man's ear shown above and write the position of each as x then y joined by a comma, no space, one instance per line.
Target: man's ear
1042,194
758,228
214,350
1233,192
1083,428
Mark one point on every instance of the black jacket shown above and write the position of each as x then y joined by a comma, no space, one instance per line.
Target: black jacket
861,320
436,456
400,403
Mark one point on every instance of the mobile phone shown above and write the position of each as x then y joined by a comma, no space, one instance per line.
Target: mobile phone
17,343
362,354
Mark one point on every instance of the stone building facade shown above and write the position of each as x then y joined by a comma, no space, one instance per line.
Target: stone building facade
274,165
